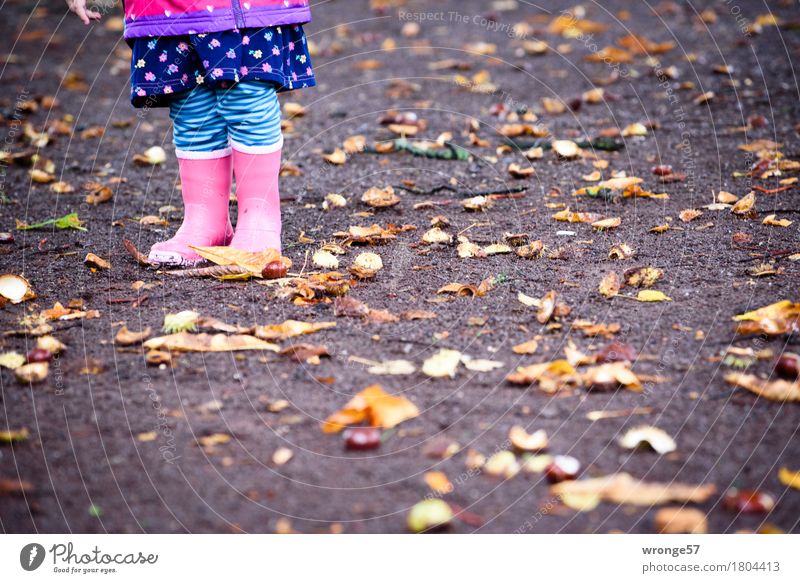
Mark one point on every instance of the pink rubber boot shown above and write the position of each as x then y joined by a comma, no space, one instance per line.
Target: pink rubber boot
206,188
258,225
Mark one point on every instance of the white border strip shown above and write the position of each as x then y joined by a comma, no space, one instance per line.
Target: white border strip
192,155
258,149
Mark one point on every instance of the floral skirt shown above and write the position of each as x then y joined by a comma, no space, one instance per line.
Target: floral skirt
168,65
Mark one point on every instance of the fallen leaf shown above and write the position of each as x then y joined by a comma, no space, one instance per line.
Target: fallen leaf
655,438
551,376
566,148
528,347
96,261
393,367
380,198
253,261
502,464
789,478
34,372
609,285
773,221
610,223
442,364
643,276
622,488
744,205
290,329
438,482
12,360
187,342
13,436
337,157
651,295
375,406
480,364
680,520
524,441
779,318
125,337
208,441
774,390
610,376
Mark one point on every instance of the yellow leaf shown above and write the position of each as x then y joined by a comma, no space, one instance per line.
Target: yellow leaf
789,478
252,261
651,295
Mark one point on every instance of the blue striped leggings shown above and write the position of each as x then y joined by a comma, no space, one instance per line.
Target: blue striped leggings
207,122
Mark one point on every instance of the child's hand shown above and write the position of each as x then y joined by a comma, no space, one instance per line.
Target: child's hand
79,8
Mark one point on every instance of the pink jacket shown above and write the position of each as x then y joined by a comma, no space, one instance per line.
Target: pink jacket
175,17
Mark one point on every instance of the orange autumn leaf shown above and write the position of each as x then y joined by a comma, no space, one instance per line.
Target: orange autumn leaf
375,406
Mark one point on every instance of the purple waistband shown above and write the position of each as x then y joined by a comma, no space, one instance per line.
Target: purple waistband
201,22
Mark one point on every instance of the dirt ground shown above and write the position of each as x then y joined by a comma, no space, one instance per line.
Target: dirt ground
112,443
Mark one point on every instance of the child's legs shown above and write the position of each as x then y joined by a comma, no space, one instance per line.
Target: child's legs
253,117
198,131
204,158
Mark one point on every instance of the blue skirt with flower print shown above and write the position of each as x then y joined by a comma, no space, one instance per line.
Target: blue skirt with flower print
164,66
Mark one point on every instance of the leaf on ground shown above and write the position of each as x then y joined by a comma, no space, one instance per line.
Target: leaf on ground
681,520
779,318
610,376
651,295
480,364
657,439
442,364
774,390
308,353
551,376
380,197
524,441
375,406
393,367
186,342
290,329
609,285
253,261
13,435
528,347
438,482
789,478
12,360
622,488
125,337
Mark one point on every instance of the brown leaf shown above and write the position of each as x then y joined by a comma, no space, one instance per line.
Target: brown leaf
609,285
125,337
